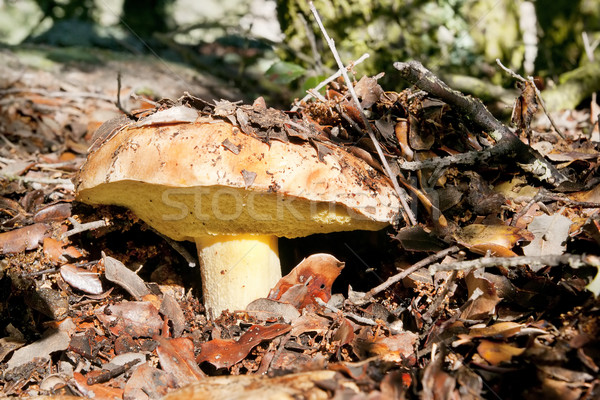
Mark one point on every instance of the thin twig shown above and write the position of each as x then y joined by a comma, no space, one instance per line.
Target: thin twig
357,318
401,193
398,277
78,227
333,77
538,95
118,102
573,260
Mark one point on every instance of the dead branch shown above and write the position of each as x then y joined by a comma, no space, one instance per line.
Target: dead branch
398,277
510,144
78,227
572,260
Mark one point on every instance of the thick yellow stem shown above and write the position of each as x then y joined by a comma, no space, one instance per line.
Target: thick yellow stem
237,269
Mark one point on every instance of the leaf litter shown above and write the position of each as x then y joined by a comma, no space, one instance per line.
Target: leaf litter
105,313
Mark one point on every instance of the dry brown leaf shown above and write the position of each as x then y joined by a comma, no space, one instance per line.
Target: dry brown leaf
97,391
136,318
82,279
496,353
311,278
224,353
177,357
498,330
498,239
21,239
147,382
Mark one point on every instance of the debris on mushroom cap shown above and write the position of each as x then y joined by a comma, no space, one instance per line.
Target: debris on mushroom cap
209,177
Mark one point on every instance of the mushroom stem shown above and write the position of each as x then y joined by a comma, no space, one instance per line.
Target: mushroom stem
237,269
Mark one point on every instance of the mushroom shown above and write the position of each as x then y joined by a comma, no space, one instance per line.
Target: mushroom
233,195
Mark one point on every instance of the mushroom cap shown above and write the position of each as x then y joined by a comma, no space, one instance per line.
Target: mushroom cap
208,177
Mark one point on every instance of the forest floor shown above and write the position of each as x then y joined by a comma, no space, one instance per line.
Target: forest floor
520,321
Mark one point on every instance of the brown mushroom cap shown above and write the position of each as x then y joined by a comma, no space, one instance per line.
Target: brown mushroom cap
209,178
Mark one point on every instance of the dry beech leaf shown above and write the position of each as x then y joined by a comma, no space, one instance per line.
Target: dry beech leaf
310,322
177,357
368,90
147,382
116,272
496,353
265,309
398,348
81,279
224,353
497,331
136,318
551,233
311,278
97,391
483,294
498,239
21,239
516,189
53,213
171,115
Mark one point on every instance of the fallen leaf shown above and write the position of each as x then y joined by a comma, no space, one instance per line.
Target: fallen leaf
551,233
498,239
177,357
483,294
21,239
496,353
81,279
136,318
52,341
497,331
116,272
224,353
97,391
148,382
398,348
311,278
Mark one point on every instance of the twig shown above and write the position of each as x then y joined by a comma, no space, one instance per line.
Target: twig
409,216
468,158
573,260
526,157
118,102
538,95
398,277
333,77
357,318
78,227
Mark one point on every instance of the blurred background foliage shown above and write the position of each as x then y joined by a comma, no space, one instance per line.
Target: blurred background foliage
274,47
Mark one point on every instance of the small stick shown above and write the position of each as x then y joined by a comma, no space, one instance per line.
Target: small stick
118,102
401,193
78,227
573,260
357,318
398,277
333,77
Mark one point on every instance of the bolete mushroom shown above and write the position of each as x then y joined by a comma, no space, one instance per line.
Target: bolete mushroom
233,194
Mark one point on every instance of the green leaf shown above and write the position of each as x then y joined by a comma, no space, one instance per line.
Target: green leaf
283,73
